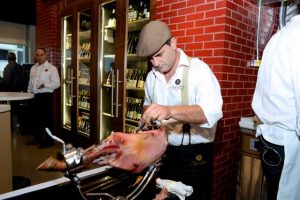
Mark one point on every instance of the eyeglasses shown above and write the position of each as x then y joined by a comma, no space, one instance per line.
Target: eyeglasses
270,156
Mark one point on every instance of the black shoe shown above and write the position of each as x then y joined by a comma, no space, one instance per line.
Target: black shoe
46,145
32,142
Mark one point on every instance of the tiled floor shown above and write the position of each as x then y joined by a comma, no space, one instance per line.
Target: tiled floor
26,158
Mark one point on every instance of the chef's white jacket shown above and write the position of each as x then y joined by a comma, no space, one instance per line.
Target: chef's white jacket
276,102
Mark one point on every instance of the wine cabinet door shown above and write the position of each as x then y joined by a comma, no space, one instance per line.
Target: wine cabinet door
67,74
108,70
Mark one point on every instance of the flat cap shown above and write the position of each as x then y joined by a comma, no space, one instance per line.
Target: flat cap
152,37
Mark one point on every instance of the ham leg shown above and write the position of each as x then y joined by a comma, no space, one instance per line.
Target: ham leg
132,152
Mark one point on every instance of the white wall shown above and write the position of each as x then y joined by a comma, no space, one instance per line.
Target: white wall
12,33
19,34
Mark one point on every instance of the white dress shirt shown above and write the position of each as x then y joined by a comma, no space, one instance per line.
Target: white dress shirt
204,90
276,102
46,74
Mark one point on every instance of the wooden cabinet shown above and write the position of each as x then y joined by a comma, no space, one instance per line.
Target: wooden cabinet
102,78
6,184
251,181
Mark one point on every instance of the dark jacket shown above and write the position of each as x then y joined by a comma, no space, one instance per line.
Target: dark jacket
14,78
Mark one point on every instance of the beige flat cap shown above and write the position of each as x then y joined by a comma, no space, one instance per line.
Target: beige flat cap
152,37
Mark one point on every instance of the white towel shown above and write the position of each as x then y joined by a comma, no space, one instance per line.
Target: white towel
178,188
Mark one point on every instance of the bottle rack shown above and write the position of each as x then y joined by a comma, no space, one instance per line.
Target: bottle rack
84,76
134,110
130,128
84,100
135,78
94,96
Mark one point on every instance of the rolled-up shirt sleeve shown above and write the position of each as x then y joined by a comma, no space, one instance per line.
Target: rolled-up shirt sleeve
208,94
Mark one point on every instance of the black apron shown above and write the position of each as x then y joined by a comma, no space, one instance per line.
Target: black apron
192,165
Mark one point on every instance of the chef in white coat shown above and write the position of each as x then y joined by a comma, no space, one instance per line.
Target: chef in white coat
276,102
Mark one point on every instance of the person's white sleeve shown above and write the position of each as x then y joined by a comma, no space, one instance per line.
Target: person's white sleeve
295,71
55,81
30,83
209,96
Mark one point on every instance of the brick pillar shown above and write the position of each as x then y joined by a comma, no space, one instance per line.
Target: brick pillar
46,37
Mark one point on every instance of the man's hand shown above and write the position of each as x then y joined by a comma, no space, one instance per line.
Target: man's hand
41,86
183,113
156,112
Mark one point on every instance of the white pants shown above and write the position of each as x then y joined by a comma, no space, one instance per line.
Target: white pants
289,184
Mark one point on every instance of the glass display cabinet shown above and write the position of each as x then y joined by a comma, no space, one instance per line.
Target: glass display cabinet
109,73
122,72
75,73
102,78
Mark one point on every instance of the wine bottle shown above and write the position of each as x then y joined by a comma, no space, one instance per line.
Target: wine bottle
130,13
80,123
129,109
140,10
80,98
134,12
134,79
140,110
129,73
146,11
130,43
134,43
113,17
133,110
108,79
130,79
85,98
88,100
141,82
136,110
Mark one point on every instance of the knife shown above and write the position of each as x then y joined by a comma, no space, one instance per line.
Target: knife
143,126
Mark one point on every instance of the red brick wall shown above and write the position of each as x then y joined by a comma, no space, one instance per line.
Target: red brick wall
46,28
46,37
223,34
